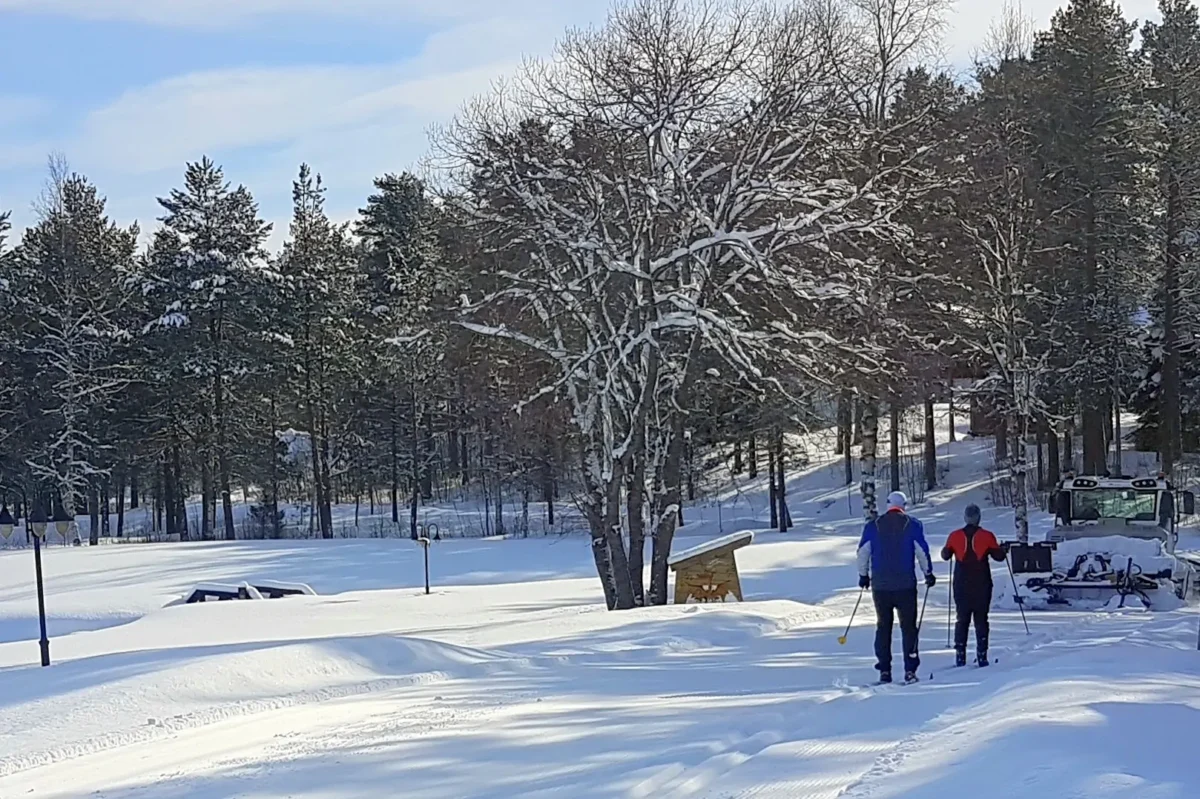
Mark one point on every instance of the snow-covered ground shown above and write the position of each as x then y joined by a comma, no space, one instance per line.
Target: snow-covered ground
512,680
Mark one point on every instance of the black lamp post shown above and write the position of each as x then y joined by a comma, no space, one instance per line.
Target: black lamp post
37,528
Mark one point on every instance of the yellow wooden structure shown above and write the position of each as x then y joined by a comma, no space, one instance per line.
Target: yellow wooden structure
708,573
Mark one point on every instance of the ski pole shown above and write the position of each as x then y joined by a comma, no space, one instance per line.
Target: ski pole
842,638
924,602
1020,600
949,604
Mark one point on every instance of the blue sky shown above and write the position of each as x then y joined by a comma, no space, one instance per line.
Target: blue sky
130,90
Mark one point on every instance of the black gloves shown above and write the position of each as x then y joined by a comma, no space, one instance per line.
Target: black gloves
864,582
930,580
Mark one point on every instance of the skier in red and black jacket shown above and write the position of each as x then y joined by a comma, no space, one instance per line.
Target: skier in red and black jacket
971,546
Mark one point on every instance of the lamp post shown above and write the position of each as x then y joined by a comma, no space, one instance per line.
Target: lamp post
63,521
7,522
37,528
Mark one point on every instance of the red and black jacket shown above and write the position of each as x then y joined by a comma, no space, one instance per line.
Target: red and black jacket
970,548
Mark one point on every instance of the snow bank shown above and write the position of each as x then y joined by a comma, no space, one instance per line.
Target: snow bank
120,700
1144,551
1147,554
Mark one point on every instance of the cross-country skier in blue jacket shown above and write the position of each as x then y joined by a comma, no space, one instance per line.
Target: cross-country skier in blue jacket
890,545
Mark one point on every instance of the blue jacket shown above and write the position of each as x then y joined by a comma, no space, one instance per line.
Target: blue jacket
889,547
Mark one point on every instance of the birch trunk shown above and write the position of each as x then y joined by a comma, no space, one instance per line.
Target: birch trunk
870,439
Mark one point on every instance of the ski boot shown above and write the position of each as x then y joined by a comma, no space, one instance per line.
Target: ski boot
981,659
911,677
885,677
960,656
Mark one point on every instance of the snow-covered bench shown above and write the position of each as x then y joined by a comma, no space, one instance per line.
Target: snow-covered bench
260,589
221,592
273,589
708,572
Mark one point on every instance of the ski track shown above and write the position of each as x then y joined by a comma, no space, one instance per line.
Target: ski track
739,751
798,743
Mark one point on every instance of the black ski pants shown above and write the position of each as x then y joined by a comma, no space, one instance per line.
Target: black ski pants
889,604
972,603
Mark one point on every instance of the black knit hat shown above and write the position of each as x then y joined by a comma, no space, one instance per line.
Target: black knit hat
972,515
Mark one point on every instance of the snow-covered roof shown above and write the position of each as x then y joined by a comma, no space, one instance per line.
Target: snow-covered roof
741,539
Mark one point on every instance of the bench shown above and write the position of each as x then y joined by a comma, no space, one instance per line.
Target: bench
708,572
222,592
260,589
273,589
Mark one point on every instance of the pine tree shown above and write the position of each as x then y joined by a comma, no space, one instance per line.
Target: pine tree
406,283
1091,125
68,291
319,292
1172,49
208,263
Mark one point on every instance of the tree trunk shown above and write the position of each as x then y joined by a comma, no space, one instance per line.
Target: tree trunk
93,514
870,440
737,457
121,504
134,486
1094,450
1118,466
1053,459
326,506
1019,469
163,506
930,447
177,498
611,532
950,410
1068,450
670,500
752,456
772,487
843,419
894,445
452,440
1170,423
395,461
314,457
846,432
602,555
547,480
206,499
464,453
427,457
105,503
414,501
1002,433
635,495
1041,459
785,516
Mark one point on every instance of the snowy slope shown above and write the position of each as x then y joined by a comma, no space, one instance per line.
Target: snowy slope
512,680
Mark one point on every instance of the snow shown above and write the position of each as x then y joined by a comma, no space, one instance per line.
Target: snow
742,538
511,679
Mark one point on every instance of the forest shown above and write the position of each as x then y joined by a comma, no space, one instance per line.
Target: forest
700,226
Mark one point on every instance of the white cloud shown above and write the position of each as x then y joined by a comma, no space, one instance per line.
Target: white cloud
221,13
350,122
